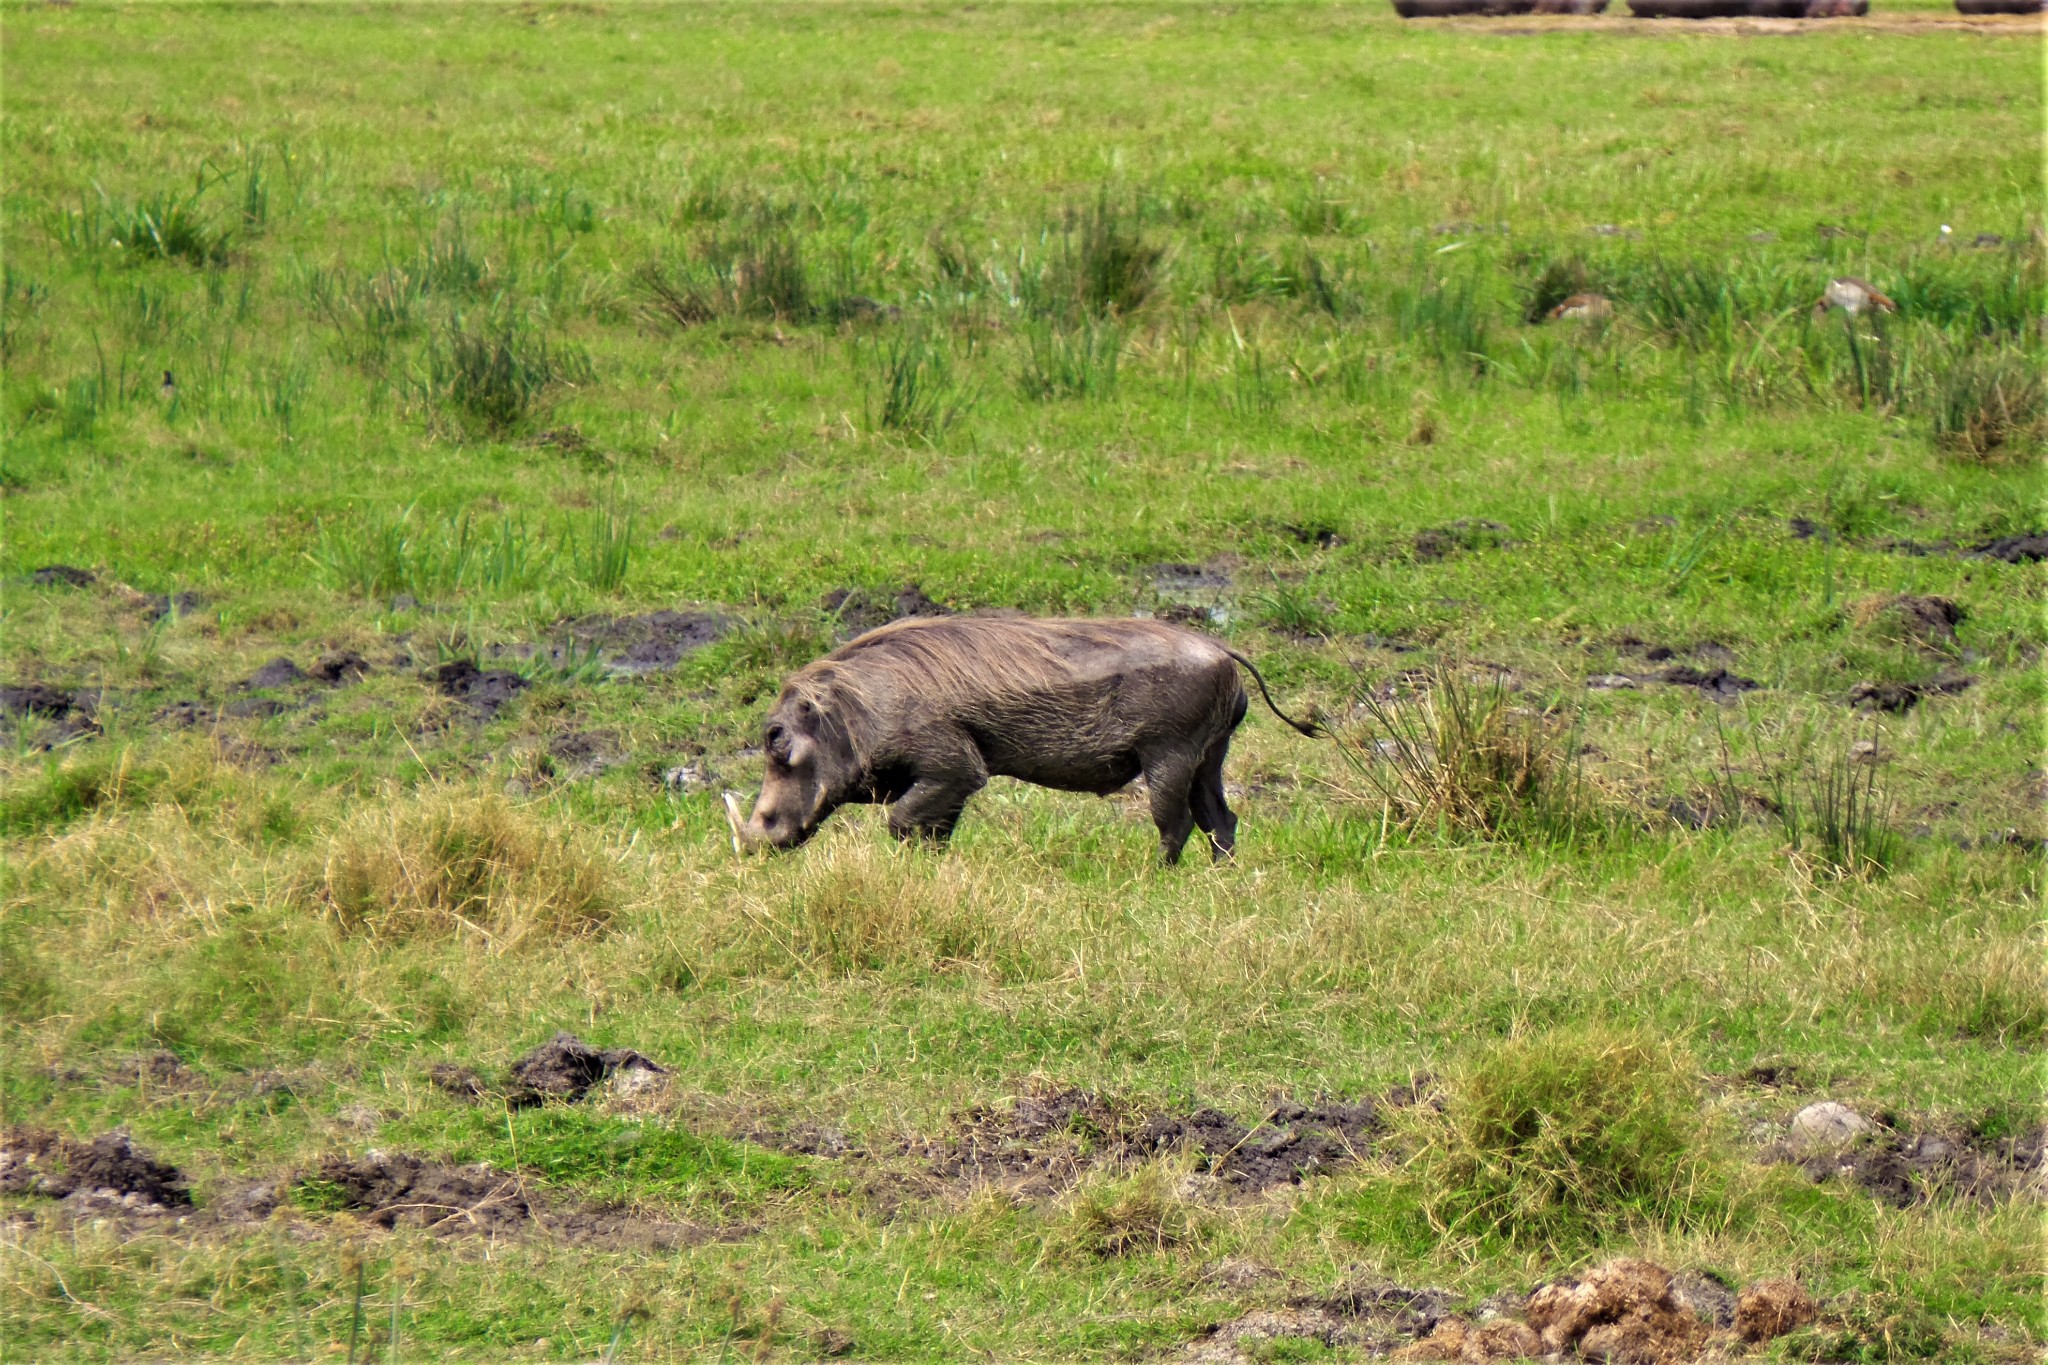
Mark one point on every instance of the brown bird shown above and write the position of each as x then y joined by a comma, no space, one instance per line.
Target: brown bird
1851,296
1583,306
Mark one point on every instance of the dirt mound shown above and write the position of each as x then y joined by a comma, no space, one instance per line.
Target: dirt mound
484,690
38,699
1457,1339
651,643
338,666
858,612
1769,1309
578,754
393,1189
565,1067
1625,1310
159,605
40,1162
2023,549
1925,620
279,672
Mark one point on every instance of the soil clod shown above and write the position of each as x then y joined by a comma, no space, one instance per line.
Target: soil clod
1623,1311
565,1068
340,666
1899,697
1719,683
1769,1309
40,1162
1902,1167
486,691
160,605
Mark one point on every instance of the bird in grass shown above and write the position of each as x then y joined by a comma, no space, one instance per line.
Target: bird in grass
1852,296
168,390
1583,306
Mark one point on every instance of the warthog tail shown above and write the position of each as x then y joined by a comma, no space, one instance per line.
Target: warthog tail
1312,729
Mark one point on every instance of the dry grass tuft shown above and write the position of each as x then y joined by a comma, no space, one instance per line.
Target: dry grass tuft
1553,1138
1138,1212
1457,759
853,905
444,863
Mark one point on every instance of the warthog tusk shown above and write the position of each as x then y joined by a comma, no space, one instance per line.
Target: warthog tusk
733,819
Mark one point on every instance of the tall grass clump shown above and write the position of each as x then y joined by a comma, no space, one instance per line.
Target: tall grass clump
912,387
383,551
603,548
1555,1139
1456,759
441,863
496,374
1104,268
1834,814
1989,406
168,227
1071,362
1447,317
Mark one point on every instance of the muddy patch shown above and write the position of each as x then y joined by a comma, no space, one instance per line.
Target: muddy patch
565,1068
402,1190
631,646
484,691
1717,683
856,611
1290,1144
2027,548
108,1169
1466,534
157,606
63,575
1900,697
578,754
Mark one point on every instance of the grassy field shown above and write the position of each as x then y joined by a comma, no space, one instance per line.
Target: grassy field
1684,667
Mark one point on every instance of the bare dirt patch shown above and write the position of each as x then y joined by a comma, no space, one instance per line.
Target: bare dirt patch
399,1189
1044,1139
649,643
1905,1166
857,611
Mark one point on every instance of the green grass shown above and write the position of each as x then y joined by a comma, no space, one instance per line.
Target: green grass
485,320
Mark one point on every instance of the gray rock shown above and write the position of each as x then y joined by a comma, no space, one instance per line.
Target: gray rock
1827,1125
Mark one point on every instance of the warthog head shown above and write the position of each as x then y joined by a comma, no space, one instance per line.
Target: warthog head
811,768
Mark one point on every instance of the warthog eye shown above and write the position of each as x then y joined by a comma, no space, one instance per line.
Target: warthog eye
778,744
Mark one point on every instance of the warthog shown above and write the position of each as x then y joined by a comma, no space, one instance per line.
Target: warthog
921,713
